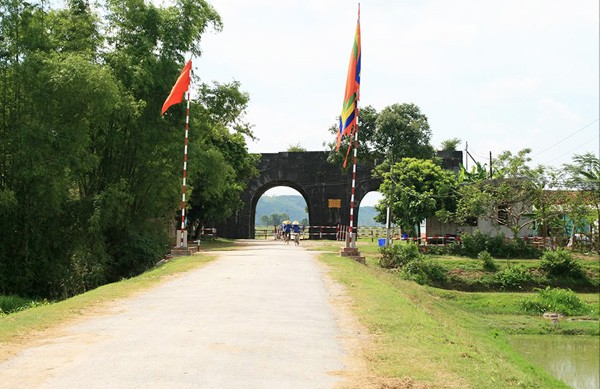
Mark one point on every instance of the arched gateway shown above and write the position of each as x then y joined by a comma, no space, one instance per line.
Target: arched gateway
324,186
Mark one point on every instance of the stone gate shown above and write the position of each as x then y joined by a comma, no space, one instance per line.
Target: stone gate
325,187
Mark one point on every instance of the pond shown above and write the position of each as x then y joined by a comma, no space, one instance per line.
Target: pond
575,360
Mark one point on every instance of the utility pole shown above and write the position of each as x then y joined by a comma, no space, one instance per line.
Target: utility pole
490,164
466,156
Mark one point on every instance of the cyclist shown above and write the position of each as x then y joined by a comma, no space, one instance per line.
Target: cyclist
296,230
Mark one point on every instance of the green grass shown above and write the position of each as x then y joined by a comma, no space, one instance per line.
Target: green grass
430,339
448,338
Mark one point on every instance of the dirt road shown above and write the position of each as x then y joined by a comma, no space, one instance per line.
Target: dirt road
258,317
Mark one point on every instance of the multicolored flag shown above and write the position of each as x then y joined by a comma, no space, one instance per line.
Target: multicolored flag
352,93
181,85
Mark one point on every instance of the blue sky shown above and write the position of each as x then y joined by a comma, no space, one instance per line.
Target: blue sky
500,75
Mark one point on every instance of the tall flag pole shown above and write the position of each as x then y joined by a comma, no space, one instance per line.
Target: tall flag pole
182,85
183,187
349,118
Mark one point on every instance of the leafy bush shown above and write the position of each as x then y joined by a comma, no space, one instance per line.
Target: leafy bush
473,244
518,248
11,303
488,261
560,263
455,248
424,271
496,246
563,301
439,250
398,255
414,265
513,277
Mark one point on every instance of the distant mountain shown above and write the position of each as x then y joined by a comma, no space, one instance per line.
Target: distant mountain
366,217
295,207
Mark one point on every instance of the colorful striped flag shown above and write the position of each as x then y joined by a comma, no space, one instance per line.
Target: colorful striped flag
352,94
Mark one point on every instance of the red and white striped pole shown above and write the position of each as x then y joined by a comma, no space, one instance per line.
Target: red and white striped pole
351,241
185,149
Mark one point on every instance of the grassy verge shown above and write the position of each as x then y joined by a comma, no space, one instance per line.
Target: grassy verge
16,327
438,338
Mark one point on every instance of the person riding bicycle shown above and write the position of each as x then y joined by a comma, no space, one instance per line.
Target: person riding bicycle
296,230
287,229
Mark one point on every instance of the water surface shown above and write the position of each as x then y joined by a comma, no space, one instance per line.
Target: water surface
575,360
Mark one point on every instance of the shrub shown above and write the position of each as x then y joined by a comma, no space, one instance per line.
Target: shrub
11,303
563,301
560,263
488,261
455,248
438,250
414,265
518,248
424,271
496,246
473,244
398,255
513,277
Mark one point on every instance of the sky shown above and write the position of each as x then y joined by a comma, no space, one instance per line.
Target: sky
499,75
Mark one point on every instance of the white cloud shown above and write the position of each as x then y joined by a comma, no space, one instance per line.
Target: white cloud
555,113
498,74
508,87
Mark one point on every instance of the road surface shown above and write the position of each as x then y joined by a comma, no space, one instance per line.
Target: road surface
258,317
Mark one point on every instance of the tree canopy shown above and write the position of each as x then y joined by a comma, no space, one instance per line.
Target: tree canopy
450,144
90,174
415,189
398,131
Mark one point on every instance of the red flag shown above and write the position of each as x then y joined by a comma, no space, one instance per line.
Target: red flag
181,85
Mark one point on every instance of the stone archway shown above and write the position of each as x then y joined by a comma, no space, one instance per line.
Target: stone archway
321,183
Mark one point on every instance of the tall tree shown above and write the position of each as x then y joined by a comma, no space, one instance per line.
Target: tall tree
509,197
89,171
398,131
415,190
584,175
403,131
222,165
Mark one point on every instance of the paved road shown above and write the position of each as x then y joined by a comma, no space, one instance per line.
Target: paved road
259,317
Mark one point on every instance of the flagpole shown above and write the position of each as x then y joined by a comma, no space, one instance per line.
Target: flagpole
352,241
185,149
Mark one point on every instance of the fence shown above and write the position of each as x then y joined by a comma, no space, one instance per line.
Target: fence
307,232
337,232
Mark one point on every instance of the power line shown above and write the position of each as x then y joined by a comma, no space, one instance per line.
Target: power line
562,140
479,154
573,149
